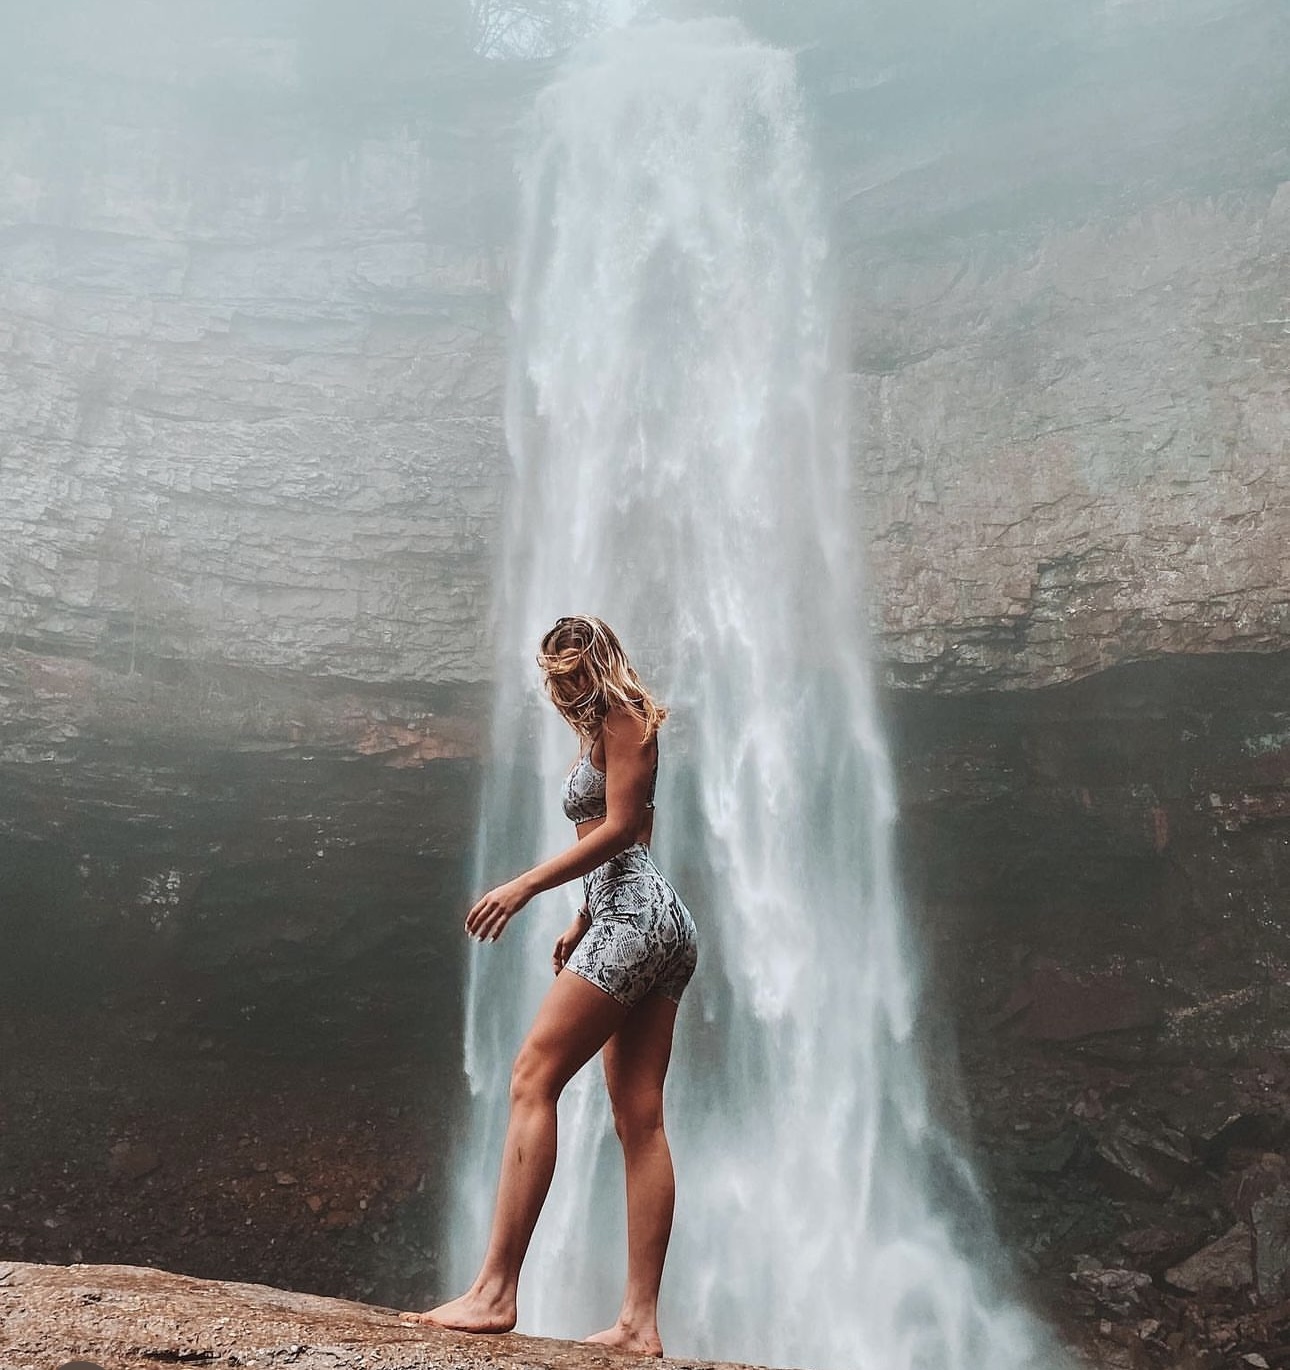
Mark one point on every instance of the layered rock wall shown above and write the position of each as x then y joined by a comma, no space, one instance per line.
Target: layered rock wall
1081,455
254,325
1065,237
251,394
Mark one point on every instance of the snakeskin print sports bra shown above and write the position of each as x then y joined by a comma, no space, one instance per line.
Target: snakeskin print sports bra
583,795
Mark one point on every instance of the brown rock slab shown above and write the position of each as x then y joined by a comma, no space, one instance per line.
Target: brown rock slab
133,1318
1056,1005
1224,1265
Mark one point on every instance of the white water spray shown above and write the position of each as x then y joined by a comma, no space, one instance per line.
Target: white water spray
681,470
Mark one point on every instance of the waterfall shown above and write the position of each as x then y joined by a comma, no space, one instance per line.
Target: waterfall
677,424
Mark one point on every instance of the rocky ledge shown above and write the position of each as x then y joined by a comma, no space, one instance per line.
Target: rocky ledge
131,1318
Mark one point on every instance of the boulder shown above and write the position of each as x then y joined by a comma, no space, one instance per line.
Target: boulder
1116,1290
1137,1159
134,1318
1155,1249
1224,1266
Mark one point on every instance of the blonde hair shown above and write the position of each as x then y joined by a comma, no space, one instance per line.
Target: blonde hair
586,674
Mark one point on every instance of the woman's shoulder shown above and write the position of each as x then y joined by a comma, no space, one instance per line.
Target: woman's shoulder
623,727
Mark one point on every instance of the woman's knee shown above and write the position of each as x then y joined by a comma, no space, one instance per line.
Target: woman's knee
535,1077
638,1118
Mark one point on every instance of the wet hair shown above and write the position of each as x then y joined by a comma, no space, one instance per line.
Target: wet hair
586,674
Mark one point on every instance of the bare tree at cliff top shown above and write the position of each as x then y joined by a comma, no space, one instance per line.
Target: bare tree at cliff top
532,28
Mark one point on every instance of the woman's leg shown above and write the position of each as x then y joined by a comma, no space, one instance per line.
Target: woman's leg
574,1022
636,1059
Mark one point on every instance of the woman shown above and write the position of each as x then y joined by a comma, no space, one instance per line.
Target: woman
620,969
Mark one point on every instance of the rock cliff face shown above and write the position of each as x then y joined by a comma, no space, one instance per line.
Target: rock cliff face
1113,481
1066,247
253,339
254,326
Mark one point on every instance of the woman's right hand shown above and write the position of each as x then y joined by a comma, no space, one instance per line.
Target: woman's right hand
568,939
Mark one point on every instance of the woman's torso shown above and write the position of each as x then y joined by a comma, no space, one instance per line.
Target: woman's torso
583,796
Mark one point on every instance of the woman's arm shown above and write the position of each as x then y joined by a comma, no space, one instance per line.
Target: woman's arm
629,769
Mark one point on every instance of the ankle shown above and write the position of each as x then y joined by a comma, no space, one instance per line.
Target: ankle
493,1289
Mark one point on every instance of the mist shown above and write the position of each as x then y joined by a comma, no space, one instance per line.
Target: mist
258,265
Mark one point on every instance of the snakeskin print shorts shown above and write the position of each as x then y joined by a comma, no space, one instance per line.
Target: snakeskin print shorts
642,938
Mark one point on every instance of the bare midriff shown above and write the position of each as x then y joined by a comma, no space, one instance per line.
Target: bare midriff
643,834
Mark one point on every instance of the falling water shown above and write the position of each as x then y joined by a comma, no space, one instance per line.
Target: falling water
681,470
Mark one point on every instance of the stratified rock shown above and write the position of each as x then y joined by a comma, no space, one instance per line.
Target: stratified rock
133,1318
1221,1267
1019,472
291,456
257,416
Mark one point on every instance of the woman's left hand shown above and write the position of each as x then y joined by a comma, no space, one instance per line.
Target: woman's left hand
488,919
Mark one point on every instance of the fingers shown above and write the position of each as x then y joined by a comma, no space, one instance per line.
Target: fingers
491,912
487,919
489,928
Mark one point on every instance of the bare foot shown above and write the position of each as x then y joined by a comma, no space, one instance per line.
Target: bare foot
630,1341
470,1313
